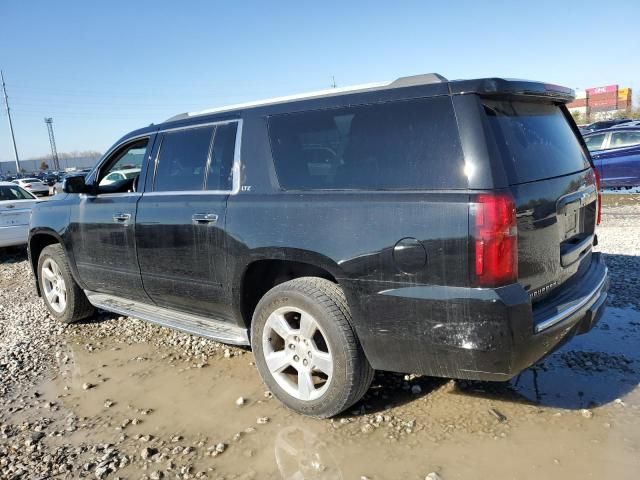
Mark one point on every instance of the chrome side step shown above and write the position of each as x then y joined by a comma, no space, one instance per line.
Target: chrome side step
186,322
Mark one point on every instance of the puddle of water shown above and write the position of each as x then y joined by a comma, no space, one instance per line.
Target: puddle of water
591,370
452,432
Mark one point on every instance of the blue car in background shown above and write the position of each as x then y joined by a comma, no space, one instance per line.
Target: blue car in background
616,155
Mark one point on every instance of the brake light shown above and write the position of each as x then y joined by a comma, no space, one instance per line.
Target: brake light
27,185
599,214
496,240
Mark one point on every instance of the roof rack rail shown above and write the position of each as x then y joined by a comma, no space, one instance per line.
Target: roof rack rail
414,80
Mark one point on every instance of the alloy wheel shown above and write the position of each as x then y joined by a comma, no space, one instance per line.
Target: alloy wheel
297,353
55,289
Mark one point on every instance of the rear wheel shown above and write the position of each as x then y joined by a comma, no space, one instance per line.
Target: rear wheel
306,349
64,299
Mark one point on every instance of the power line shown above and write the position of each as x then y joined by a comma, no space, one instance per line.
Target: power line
13,138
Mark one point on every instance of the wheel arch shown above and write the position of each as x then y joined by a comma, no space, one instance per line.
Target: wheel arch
38,240
268,269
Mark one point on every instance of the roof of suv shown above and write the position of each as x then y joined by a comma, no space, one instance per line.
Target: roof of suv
485,86
427,85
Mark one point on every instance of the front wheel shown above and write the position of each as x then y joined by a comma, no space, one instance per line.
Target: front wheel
64,299
306,350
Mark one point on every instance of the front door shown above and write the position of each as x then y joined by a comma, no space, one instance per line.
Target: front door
103,225
181,216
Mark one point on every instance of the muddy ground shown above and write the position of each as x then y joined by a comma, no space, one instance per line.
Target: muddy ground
116,397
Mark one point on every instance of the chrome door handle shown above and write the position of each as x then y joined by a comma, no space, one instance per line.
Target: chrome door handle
121,217
202,218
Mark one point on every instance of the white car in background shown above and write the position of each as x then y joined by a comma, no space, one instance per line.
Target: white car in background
33,185
120,175
15,213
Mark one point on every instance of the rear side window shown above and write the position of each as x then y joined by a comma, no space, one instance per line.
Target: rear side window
535,140
594,142
182,159
405,145
219,173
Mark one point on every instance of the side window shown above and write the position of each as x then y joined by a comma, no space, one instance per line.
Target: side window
120,173
411,144
219,173
182,159
14,193
624,139
594,142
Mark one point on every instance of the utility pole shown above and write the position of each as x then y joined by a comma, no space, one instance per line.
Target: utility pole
54,152
333,81
13,138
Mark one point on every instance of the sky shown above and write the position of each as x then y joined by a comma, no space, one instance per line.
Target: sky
101,69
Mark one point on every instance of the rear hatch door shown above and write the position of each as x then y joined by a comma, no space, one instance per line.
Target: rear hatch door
554,188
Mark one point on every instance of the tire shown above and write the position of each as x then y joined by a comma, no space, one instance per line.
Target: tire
313,362
57,283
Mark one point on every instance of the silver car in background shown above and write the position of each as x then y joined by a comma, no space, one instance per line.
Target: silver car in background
33,185
15,213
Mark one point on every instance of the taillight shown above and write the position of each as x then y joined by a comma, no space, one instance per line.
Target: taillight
496,240
27,185
599,214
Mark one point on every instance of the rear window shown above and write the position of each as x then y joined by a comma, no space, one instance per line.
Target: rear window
535,140
403,145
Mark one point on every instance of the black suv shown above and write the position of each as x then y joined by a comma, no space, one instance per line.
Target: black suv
424,225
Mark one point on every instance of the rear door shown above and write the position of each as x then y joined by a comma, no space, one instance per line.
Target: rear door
181,217
554,188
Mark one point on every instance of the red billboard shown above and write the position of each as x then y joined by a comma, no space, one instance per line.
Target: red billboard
601,90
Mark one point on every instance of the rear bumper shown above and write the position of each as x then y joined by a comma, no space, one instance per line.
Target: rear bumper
481,334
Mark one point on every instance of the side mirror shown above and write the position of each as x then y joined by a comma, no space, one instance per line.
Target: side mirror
74,184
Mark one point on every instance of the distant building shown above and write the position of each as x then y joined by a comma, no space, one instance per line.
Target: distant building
65,163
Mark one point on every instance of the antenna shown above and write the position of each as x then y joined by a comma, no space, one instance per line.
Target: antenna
13,138
54,152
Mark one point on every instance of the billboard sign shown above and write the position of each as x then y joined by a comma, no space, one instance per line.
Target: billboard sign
601,90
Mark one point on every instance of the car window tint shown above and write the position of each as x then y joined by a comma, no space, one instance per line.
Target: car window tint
182,160
594,142
624,139
14,193
401,145
219,176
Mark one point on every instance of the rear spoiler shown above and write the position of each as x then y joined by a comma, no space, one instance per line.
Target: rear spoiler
512,88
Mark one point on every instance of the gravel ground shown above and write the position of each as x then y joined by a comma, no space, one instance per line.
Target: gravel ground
99,400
